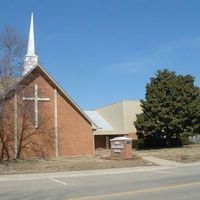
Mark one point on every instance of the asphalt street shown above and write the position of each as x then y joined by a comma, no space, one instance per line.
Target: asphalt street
152,183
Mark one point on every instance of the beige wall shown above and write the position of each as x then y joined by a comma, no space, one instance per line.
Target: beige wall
113,114
122,115
131,108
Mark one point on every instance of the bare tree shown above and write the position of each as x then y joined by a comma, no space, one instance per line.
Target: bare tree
12,51
26,138
37,140
5,130
12,48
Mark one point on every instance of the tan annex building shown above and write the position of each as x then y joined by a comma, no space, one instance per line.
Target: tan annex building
114,120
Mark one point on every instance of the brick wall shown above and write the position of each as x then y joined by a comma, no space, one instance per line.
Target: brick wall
74,131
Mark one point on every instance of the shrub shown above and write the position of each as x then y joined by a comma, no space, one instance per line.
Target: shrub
152,143
138,144
185,140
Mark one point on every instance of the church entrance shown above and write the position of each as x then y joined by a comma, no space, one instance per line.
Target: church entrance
103,141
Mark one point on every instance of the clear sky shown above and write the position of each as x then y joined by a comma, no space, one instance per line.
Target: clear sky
104,51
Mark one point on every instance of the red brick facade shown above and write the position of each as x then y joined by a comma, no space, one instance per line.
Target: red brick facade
74,129
75,133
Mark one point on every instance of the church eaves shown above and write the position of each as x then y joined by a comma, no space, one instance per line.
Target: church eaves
62,91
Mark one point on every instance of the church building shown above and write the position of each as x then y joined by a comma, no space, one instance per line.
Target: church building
45,120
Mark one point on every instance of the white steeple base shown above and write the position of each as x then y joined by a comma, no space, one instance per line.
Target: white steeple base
29,62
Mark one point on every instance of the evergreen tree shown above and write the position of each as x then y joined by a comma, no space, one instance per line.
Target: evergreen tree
171,108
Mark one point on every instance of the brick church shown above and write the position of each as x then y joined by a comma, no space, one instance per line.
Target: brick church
45,120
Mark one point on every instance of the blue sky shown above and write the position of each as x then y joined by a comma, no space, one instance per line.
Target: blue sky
104,51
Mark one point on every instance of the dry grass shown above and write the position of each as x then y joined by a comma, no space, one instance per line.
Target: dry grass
186,154
69,164
190,153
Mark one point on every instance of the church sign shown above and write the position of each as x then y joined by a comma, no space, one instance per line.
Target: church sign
121,147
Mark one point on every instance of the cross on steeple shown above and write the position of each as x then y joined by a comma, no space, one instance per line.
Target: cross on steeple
36,99
31,59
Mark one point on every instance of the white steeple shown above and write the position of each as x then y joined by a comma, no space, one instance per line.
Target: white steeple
31,59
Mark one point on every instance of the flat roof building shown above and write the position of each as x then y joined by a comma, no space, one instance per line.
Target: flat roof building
113,120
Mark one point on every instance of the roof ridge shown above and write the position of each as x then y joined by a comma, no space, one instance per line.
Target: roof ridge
62,90
117,102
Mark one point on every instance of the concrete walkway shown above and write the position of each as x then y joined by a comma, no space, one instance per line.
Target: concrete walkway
162,162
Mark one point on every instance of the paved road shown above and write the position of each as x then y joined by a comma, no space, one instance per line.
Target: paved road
152,183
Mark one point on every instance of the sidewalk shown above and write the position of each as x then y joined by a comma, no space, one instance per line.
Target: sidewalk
162,162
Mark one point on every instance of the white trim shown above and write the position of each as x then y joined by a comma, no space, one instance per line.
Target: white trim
36,99
94,126
56,123
93,142
36,105
109,133
15,126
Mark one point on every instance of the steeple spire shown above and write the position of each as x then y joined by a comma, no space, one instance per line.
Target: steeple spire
31,59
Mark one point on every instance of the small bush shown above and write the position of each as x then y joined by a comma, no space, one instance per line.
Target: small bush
174,142
162,143
185,140
152,143
155,143
138,144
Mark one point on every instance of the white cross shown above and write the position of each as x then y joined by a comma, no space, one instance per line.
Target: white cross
36,99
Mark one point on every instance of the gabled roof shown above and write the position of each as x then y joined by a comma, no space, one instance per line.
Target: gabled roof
99,121
105,127
60,89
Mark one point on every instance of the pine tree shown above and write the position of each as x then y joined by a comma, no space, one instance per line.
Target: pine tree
171,108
